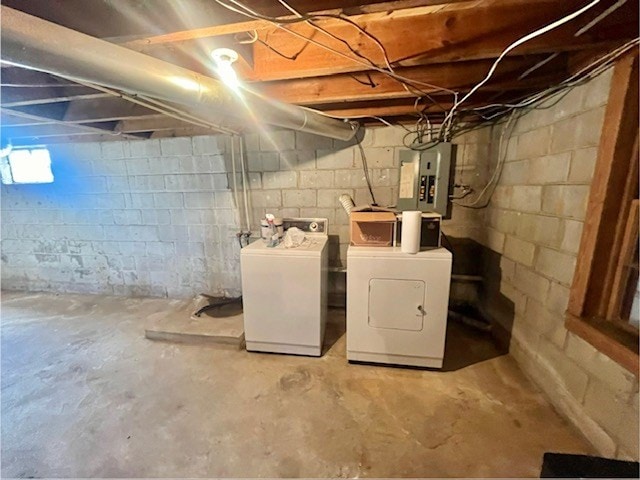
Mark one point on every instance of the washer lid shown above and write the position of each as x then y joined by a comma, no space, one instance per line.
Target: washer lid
312,246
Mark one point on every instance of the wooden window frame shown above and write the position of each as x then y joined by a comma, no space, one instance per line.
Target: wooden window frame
596,291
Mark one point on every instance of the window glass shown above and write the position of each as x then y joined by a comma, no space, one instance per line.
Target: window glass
28,166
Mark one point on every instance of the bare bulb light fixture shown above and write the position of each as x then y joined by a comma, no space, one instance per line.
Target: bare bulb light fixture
224,59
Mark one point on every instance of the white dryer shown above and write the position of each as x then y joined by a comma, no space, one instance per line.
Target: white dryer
284,292
397,305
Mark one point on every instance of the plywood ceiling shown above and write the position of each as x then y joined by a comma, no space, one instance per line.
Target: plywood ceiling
447,44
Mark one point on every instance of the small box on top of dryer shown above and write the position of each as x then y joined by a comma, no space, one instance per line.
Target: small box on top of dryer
372,229
429,231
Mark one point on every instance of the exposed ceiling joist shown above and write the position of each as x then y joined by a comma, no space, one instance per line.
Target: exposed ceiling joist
55,130
45,46
402,106
83,137
378,86
7,120
18,97
445,36
364,13
16,76
76,126
181,132
442,43
151,123
81,111
104,109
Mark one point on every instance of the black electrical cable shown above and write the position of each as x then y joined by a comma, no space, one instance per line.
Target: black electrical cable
217,305
288,57
343,41
456,131
370,83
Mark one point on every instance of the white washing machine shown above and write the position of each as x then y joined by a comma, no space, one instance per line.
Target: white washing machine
284,292
397,305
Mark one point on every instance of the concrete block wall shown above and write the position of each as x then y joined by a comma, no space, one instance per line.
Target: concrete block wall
156,217
534,224
125,218
297,174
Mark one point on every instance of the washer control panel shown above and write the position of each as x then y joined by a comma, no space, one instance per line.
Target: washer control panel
307,225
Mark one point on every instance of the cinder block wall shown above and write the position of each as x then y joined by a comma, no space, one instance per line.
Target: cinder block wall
124,218
534,225
156,217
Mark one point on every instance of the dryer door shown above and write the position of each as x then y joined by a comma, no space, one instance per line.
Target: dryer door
396,304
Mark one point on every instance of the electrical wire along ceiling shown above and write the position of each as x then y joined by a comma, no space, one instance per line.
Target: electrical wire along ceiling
435,69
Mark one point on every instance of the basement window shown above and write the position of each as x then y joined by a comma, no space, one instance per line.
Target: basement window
605,294
24,165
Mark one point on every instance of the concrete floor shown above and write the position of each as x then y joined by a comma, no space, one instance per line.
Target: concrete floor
84,394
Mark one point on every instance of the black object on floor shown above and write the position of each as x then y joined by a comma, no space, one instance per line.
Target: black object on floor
221,307
561,465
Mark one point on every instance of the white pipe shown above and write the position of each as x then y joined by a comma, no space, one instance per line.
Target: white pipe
37,44
245,187
236,205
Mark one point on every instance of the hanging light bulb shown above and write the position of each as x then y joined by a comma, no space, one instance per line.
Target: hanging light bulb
224,58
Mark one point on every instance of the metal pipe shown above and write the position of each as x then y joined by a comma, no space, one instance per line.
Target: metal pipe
37,44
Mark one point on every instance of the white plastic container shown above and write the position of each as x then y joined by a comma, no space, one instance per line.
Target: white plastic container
265,229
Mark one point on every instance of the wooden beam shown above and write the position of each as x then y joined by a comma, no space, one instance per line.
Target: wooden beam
391,108
439,37
184,132
13,121
373,111
12,75
152,123
346,7
104,109
197,33
620,346
460,76
251,25
17,97
77,126
406,106
54,130
626,196
77,138
160,123
629,246
51,113
605,205
197,56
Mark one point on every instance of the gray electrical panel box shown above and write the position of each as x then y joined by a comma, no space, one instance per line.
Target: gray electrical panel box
424,179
